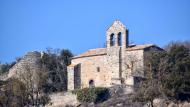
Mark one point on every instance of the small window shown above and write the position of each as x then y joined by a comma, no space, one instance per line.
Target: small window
98,69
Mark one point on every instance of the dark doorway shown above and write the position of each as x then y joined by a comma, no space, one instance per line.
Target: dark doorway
91,83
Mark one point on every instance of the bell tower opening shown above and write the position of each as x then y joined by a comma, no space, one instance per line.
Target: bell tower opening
119,39
112,39
117,35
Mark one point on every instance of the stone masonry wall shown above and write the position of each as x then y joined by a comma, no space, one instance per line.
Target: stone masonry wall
70,75
114,64
89,71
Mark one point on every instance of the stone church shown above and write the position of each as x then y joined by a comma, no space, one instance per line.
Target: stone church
117,64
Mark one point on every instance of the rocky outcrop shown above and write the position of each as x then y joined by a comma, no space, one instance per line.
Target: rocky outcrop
31,58
167,103
159,103
125,101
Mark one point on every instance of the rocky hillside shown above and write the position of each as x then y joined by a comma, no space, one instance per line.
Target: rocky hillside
31,58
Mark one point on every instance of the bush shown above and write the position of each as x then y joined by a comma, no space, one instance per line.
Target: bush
95,95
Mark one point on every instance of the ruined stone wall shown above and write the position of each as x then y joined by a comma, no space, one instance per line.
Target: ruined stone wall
31,59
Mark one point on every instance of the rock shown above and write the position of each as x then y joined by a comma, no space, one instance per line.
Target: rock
159,103
146,105
185,104
172,104
63,99
119,105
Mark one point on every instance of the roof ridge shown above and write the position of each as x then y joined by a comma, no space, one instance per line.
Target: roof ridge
97,48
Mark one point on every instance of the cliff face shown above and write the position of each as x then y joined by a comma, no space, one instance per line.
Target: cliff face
30,60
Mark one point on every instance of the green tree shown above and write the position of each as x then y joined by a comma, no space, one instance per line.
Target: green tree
66,55
13,93
56,62
176,81
5,67
167,74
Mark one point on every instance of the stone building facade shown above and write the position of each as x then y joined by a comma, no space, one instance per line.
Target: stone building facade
117,64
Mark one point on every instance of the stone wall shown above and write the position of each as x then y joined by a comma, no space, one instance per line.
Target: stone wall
134,63
70,76
77,76
89,70
110,68
62,100
114,64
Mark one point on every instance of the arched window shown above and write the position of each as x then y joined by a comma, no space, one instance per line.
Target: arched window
91,83
112,40
119,39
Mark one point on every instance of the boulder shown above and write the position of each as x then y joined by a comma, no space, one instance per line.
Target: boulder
172,104
159,102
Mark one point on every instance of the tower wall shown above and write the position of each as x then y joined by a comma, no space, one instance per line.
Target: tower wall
74,77
114,63
116,53
70,76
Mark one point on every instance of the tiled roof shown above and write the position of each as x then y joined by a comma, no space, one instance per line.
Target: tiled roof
92,52
138,47
71,65
102,51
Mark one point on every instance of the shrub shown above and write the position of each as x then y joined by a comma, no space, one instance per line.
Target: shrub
95,94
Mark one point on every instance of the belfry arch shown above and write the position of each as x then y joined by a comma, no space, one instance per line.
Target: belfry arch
119,39
112,39
117,35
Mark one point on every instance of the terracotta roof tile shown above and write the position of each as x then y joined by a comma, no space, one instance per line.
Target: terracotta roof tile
71,65
92,52
138,47
102,51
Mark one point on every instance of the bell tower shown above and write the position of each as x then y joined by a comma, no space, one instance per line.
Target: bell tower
116,43
117,35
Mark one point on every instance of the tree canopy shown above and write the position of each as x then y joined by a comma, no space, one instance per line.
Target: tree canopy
169,74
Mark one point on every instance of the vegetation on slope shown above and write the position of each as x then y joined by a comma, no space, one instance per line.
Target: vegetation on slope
32,85
94,94
167,75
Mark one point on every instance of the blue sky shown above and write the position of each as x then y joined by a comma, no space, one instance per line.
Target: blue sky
79,25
